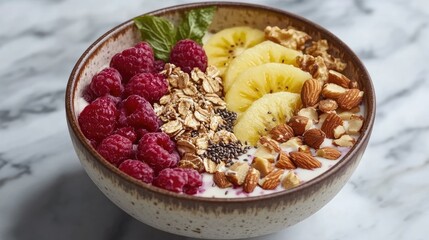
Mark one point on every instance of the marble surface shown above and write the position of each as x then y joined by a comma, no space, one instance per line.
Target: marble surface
45,194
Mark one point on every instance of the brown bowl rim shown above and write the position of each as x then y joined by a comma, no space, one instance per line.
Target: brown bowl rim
366,130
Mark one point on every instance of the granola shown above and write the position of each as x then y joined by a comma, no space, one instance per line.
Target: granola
195,115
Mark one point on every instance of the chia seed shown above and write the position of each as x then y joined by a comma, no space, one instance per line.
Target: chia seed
225,152
228,118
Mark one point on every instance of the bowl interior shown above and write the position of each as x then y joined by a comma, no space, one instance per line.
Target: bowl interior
98,55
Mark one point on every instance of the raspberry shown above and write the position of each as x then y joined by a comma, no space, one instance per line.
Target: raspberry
146,46
88,95
127,132
138,113
140,133
159,65
137,169
133,60
171,179
148,85
98,119
159,138
179,180
187,55
158,151
115,149
107,81
194,181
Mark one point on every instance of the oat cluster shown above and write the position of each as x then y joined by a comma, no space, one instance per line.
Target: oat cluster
195,115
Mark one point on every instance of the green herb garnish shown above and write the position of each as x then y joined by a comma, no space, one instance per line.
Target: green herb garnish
161,34
158,32
195,24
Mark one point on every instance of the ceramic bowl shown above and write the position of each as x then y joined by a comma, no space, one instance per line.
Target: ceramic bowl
207,217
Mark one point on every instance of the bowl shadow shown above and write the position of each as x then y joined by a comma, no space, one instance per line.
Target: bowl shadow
71,207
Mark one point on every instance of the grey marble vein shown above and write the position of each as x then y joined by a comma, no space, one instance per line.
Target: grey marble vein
45,194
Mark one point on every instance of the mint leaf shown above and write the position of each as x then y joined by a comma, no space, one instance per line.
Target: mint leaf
159,33
194,25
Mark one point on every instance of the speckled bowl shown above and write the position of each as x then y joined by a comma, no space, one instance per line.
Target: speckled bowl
203,217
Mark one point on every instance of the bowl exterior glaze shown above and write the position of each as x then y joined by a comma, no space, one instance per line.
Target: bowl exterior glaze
203,217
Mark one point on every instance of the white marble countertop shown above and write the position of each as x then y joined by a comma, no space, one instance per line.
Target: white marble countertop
45,194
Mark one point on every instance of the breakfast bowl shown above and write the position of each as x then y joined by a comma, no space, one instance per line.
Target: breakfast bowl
215,217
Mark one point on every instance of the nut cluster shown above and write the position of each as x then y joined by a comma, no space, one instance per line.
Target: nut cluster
320,48
288,37
330,111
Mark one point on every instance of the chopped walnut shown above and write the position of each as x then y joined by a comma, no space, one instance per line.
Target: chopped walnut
314,65
288,37
320,48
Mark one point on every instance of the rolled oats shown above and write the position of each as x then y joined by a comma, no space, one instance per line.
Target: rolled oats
189,115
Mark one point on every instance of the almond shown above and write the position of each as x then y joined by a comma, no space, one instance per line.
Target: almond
272,180
310,92
282,133
314,137
310,113
220,180
322,118
290,181
328,153
339,131
269,143
266,153
344,141
284,162
327,105
331,122
354,84
350,99
251,180
355,124
294,143
299,124
347,114
304,149
304,160
331,90
339,79
262,165
237,173
209,165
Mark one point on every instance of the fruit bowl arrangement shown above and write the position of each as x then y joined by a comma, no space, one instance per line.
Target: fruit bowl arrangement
210,124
